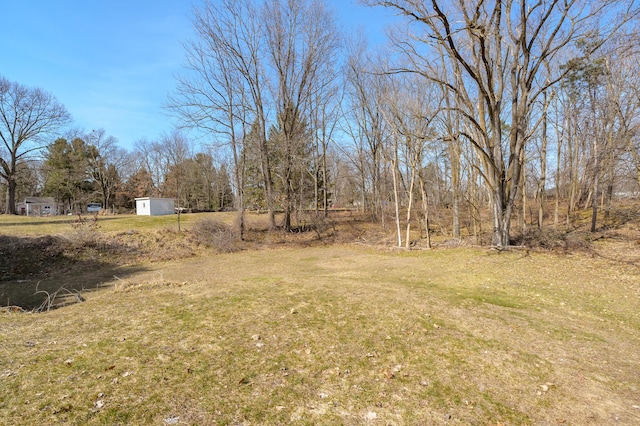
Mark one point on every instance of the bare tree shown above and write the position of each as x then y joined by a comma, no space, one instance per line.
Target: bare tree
302,43
544,142
626,76
106,161
149,157
222,92
325,118
176,151
253,63
600,85
28,117
366,127
499,48
409,110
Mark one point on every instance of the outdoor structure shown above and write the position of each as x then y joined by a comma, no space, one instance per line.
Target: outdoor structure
147,206
38,206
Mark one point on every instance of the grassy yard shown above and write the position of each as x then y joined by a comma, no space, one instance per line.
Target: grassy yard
25,226
336,335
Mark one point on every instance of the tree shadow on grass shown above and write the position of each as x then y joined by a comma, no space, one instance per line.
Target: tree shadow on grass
42,273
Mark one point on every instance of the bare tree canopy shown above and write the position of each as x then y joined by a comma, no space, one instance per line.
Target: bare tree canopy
301,42
491,56
257,69
106,161
28,116
222,91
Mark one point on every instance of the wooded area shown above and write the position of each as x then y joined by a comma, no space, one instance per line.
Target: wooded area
524,112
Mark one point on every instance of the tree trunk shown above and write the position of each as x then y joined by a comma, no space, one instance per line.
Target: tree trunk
287,213
572,153
596,167
11,196
407,243
502,213
316,180
523,185
608,193
455,183
596,183
556,215
425,210
543,168
266,176
363,183
396,198
325,184
636,157
239,224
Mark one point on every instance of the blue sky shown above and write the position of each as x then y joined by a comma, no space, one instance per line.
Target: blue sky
112,62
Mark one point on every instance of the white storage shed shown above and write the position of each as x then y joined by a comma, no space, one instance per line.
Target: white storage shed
148,206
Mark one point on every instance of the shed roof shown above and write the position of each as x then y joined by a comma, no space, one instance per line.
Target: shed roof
39,200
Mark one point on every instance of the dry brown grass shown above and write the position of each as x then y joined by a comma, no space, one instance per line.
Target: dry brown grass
301,328
336,335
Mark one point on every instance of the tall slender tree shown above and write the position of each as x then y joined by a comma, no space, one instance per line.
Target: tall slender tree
223,91
106,160
176,151
301,42
365,126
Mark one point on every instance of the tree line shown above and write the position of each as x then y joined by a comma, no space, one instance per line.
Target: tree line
81,168
469,109
526,110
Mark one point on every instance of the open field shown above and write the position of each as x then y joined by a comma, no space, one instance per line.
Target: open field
336,334
24,226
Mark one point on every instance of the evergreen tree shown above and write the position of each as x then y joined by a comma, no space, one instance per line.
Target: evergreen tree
67,176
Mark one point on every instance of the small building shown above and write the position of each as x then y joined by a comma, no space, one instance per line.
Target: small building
148,206
38,206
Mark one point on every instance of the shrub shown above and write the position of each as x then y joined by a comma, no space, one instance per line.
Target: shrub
215,234
85,231
550,239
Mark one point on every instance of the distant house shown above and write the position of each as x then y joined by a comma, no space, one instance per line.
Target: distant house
38,206
148,206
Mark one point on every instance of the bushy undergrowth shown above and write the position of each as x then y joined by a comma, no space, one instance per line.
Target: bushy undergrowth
85,232
215,234
551,239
